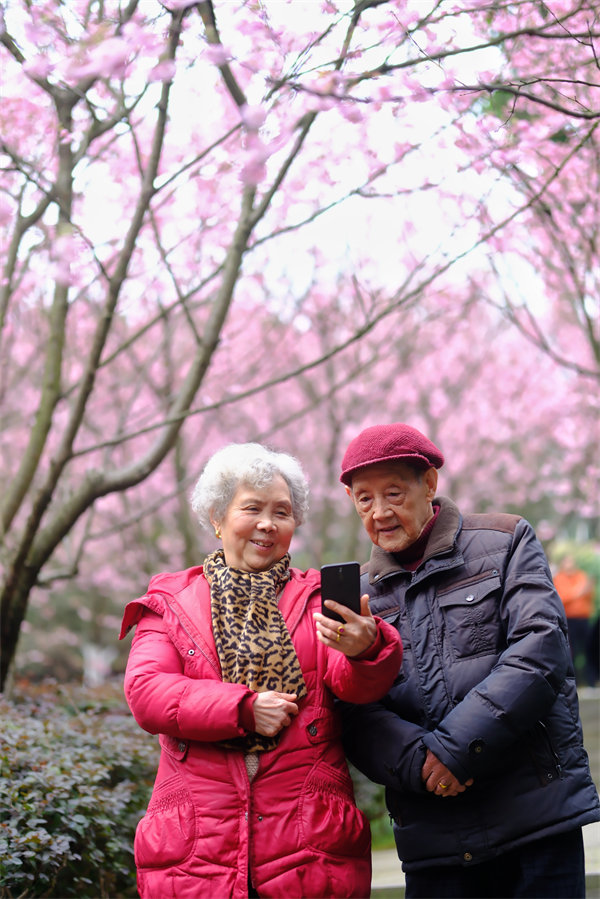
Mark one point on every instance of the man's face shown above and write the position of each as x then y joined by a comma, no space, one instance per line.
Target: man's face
394,502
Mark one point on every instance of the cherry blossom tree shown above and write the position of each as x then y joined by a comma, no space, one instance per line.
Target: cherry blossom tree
214,215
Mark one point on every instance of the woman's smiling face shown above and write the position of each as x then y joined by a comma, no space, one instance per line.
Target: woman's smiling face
258,526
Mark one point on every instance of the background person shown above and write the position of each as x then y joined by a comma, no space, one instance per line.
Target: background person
576,590
478,742
236,669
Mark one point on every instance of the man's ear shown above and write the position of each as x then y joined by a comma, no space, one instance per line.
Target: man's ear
348,490
431,480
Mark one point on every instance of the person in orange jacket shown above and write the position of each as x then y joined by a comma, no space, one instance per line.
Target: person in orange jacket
576,591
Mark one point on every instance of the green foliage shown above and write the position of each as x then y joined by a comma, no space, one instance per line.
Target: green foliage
75,777
499,104
562,136
370,798
503,105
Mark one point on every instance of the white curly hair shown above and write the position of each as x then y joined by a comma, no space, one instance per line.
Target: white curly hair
251,464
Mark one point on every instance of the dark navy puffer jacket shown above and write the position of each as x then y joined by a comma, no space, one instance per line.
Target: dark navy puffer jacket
487,684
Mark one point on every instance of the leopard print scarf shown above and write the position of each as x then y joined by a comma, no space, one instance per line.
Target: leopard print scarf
252,641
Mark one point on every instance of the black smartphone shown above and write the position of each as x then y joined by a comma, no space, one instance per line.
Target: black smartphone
341,583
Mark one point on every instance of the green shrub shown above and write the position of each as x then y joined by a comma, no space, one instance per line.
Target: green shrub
75,777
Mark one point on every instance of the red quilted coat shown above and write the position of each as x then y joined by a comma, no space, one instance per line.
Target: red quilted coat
295,827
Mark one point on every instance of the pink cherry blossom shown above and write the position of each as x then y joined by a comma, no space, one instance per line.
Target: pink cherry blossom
319,224
253,117
217,54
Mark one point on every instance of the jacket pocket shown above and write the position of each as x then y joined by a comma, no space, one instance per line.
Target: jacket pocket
330,822
176,748
543,754
166,834
471,615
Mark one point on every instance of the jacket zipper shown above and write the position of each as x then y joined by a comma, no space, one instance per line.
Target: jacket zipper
551,748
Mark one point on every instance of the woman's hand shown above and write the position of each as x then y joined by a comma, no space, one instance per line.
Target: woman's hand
273,711
440,780
355,635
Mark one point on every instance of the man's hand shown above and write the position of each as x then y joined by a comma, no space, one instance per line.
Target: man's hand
440,780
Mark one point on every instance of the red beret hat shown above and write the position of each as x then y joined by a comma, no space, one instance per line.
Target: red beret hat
387,443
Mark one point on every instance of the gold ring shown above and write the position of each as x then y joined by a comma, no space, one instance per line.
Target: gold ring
338,638
340,630
443,786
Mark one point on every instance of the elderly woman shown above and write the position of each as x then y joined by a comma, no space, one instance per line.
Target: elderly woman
235,667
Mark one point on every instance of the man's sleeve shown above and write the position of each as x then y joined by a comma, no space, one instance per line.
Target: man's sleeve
387,749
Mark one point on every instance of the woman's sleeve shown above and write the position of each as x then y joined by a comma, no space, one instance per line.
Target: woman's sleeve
367,678
163,699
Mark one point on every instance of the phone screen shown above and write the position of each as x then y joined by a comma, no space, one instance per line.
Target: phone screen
340,582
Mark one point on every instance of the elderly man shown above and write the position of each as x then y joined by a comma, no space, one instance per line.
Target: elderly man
478,743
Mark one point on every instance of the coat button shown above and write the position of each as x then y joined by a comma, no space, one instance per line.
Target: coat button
468,857
260,817
312,729
469,598
191,652
181,747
